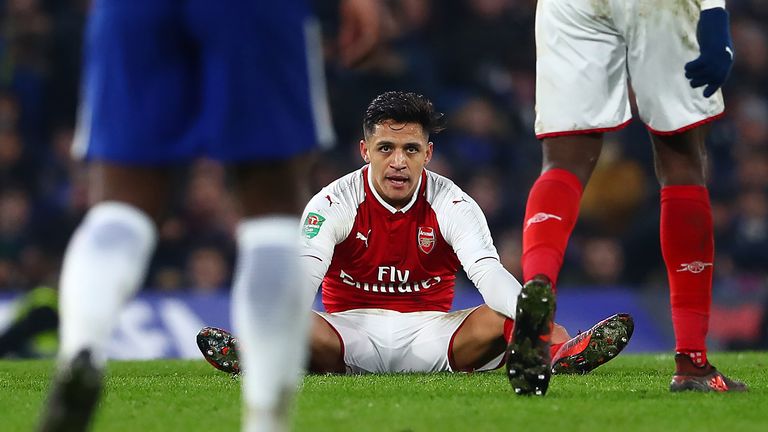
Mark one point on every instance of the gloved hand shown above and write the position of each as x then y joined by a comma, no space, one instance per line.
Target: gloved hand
714,63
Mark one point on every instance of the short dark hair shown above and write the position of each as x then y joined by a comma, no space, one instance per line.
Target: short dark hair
403,107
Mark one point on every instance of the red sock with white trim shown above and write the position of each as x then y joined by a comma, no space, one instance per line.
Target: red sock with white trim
687,244
550,215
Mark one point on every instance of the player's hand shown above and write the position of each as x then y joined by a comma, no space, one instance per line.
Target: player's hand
714,63
360,30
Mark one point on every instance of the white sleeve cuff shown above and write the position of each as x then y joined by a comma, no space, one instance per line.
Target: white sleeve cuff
712,4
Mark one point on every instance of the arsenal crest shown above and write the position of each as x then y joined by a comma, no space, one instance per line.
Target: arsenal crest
426,239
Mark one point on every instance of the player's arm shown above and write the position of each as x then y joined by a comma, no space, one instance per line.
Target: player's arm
326,222
465,228
711,69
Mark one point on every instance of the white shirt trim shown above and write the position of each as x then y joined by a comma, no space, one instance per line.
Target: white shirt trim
384,203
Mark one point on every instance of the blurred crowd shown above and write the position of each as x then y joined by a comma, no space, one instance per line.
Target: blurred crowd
476,60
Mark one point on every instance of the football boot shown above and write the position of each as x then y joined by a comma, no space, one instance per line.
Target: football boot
528,363
219,348
594,347
690,377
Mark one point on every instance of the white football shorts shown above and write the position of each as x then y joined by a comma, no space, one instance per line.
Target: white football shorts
587,50
381,341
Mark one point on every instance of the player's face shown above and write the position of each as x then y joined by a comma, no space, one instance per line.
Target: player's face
397,153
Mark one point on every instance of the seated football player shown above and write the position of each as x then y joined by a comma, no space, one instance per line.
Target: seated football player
385,243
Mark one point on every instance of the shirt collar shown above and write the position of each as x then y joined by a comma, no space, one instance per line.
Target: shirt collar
387,205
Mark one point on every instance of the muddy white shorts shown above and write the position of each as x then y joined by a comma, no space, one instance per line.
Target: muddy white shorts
588,49
380,340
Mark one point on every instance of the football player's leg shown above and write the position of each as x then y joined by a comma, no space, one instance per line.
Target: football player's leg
479,340
553,203
258,109
687,245
573,110
483,337
104,266
271,304
137,101
687,239
108,255
550,216
326,353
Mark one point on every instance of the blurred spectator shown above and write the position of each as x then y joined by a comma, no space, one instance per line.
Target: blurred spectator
602,262
749,244
751,120
14,217
510,247
207,270
16,167
751,64
484,189
476,137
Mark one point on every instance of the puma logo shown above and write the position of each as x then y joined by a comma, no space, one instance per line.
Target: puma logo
362,237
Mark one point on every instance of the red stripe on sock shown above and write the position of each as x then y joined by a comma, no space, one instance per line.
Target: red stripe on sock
550,215
687,244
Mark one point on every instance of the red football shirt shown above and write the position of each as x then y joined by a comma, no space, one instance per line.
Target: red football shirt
379,257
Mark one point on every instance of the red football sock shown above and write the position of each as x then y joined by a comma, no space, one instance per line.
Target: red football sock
553,349
687,244
509,326
550,215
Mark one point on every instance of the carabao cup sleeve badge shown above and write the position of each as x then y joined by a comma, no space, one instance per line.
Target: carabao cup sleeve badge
312,225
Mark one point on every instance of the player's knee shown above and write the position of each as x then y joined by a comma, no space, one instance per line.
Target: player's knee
325,349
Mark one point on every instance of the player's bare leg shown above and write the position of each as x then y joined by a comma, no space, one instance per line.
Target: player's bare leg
104,266
483,337
479,340
325,350
577,154
270,306
687,243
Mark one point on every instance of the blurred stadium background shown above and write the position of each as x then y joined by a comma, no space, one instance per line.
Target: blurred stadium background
475,59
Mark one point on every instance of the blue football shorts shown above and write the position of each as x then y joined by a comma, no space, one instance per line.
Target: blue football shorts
166,81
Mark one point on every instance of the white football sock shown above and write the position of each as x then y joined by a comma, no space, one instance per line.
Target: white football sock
271,308
105,262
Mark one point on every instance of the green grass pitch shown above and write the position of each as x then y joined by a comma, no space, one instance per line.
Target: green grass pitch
628,394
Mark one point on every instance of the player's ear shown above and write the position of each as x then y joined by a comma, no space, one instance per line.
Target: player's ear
364,151
429,153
